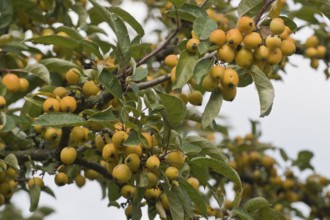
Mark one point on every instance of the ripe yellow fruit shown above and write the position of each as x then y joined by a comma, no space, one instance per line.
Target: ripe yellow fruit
110,153
209,84
61,179
267,161
261,53
277,26
195,98
245,24
194,182
128,191
52,134
118,138
273,41
51,105
314,63
226,53
192,45
171,60
244,57
217,72
286,33
229,93
80,180
230,78
72,76
77,134
164,201
274,56
68,104
252,40
312,41
91,174
133,162
153,163
171,173
35,181
321,51
175,159
152,195
90,88
148,137
2,199
5,189
60,92
23,84
254,156
137,149
3,102
234,37
173,74
129,211
11,82
218,37
311,52
152,179
11,173
288,47
122,173
68,155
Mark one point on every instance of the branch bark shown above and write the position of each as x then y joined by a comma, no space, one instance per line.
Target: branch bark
262,11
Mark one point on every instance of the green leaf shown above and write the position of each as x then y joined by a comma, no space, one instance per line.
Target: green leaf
111,83
60,41
48,190
58,65
113,191
255,204
283,154
7,13
72,33
133,139
129,19
105,116
175,109
120,30
176,206
242,214
223,169
140,74
203,26
39,70
265,90
185,69
188,12
82,15
194,195
269,214
245,6
34,197
202,68
92,48
136,203
303,160
201,173
59,119
7,123
12,161
212,108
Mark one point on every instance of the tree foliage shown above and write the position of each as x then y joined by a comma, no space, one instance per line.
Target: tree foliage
85,96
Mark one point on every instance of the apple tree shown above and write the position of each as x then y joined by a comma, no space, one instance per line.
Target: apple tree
89,93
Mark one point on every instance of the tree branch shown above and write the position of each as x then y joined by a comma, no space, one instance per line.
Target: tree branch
262,11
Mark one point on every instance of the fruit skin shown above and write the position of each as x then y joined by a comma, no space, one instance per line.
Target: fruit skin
128,191
90,88
60,91
194,182
152,180
244,57
110,153
273,41
153,163
3,102
11,82
152,195
80,180
132,150
122,173
129,211
311,52
277,26
288,47
171,173
286,33
245,24
195,98
77,134
321,51
234,37
175,159
35,181
230,78
51,105
164,201
52,134
229,94
91,174
72,76
61,179
118,138
252,40
218,37
133,162
23,84
171,60
68,155
226,53
68,104
275,56
312,41
173,74
261,53
209,84
217,72
192,45
314,63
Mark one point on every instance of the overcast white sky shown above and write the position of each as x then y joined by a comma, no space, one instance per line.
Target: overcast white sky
299,120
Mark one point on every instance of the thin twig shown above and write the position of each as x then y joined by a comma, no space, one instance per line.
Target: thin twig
262,11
